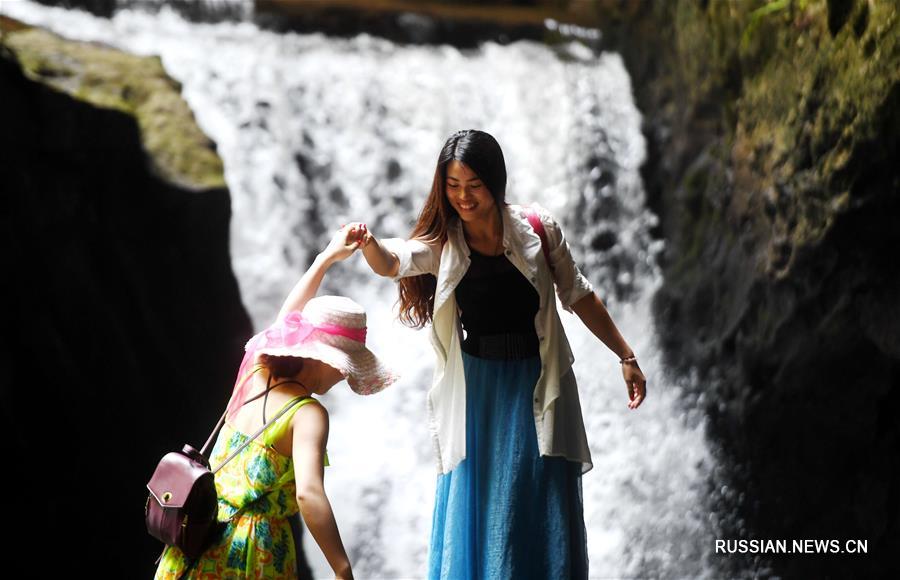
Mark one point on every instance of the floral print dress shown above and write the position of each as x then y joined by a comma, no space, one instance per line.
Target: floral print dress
257,494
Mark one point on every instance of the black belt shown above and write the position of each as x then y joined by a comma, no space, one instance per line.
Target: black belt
502,346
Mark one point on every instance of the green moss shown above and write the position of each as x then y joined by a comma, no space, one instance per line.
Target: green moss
137,86
702,220
800,88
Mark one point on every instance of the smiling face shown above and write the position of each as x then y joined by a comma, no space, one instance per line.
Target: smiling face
467,194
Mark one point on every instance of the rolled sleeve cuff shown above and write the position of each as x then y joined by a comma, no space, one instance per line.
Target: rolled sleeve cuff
399,247
581,287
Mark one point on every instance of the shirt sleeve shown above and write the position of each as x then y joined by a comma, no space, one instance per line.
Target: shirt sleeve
571,284
416,257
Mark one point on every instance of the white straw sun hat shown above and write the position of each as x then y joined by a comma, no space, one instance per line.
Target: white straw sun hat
330,329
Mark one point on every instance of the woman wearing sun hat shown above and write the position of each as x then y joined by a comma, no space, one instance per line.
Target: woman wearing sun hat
313,344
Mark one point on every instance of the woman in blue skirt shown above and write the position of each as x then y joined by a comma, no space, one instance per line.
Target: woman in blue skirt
504,408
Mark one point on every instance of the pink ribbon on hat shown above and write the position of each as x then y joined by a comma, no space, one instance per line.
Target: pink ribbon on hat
295,329
291,330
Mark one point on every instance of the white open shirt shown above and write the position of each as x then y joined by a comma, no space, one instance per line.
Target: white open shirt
557,410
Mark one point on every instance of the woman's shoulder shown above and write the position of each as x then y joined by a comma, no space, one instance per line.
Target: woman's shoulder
522,213
310,410
522,210
311,405
310,423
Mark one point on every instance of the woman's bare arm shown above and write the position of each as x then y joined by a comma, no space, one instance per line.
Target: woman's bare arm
344,242
592,312
397,257
380,259
310,434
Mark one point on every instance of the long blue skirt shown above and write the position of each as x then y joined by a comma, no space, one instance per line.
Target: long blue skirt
505,511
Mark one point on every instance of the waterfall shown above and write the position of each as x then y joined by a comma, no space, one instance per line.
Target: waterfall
316,131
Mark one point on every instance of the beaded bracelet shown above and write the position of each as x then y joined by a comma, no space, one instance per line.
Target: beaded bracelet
631,358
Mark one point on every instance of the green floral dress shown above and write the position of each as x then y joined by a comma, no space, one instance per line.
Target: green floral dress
256,497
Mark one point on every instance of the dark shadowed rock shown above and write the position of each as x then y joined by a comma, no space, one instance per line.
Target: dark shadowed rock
461,24
123,323
194,10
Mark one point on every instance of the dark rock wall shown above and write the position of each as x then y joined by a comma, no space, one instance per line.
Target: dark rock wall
195,10
122,324
773,131
463,24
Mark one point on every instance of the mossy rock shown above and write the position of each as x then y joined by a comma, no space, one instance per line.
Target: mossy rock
773,131
138,86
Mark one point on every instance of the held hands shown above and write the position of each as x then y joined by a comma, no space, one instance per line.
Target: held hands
635,382
349,238
363,235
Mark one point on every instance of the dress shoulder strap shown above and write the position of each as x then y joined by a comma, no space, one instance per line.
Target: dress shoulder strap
274,433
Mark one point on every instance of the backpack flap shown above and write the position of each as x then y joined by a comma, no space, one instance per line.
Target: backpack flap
175,477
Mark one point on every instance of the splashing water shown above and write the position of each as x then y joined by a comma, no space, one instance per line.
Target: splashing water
317,131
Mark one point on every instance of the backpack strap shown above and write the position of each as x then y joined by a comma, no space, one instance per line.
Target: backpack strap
221,422
260,430
538,226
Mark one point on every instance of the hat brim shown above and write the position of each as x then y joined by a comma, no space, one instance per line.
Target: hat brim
365,374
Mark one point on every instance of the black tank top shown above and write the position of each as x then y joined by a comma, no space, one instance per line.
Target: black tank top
498,307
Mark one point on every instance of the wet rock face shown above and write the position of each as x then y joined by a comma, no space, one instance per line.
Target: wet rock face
195,10
463,25
104,8
773,140
123,324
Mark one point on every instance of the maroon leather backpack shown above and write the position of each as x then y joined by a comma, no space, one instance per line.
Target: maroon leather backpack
182,506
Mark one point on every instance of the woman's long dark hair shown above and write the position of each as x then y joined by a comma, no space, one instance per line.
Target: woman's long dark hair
482,154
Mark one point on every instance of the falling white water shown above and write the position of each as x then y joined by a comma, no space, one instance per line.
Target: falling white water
316,131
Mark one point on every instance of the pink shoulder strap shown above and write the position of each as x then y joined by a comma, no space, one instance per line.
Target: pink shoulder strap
538,226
